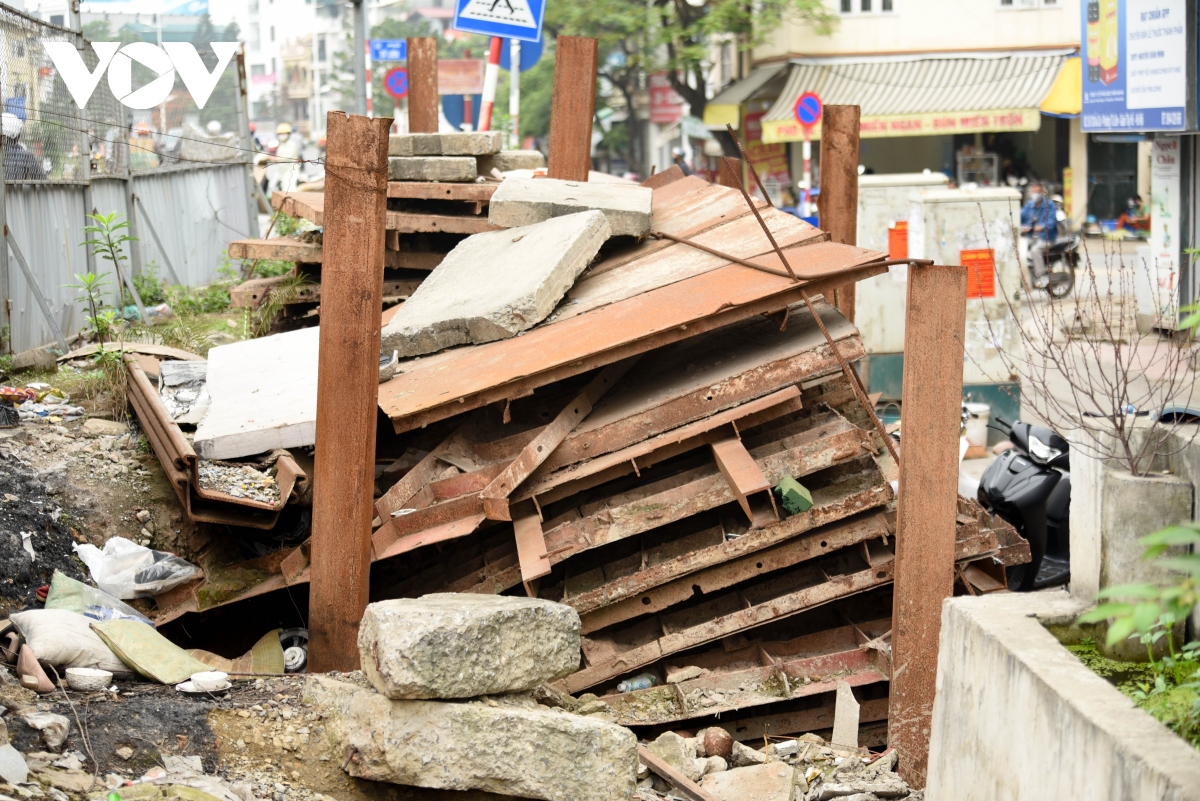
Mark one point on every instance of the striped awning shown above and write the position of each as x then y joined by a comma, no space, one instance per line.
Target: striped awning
726,107
930,95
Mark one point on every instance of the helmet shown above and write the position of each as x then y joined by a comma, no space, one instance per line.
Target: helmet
11,125
283,128
676,152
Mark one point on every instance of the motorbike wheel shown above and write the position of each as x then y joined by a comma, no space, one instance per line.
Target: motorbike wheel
1062,280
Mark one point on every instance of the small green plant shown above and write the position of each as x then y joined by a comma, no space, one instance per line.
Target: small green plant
1151,613
149,287
108,237
90,287
260,322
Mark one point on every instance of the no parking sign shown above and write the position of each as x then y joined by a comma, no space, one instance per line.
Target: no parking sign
808,109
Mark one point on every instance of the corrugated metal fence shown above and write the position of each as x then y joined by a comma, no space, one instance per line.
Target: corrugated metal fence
184,186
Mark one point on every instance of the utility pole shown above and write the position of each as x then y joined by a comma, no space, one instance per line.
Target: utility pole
360,58
838,202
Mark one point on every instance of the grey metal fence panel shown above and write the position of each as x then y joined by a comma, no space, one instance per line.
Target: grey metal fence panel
47,223
196,214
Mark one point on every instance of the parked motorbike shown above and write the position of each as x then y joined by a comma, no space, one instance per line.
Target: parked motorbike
1029,486
1062,257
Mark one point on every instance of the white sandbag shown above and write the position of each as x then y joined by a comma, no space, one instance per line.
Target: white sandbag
128,570
65,640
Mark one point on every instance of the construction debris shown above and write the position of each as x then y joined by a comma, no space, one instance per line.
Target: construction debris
461,646
525,201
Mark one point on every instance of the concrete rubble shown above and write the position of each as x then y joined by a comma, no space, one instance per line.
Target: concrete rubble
525,201
452,645
495,285
432,168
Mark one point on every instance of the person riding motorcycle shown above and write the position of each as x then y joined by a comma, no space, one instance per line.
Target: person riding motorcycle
283,172
1039,220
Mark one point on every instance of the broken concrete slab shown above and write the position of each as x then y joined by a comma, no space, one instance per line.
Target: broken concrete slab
496,284
508,745
507,160
741,756
432,168
38,360
99,427
183,390
461,645
525,201
775,781
845,717
672,749
263,395
474,143
12,765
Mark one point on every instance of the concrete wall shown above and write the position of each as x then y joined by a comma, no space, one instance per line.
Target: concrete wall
917,26
1018,718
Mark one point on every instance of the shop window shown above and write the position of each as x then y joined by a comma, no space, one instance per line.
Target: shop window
866,6
56,19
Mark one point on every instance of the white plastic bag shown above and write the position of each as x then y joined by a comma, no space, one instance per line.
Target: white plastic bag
65,639
128,570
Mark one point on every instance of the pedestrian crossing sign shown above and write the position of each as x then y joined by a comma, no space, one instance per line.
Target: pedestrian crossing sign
514,19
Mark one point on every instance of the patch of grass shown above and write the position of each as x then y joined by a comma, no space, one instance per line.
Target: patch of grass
187,300
269,268
149,286
261,321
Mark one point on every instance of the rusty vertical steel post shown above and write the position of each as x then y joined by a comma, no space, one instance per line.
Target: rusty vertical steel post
347,386
838,202
931,405
423,84
572,108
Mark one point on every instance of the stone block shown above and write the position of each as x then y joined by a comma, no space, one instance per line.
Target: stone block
97,427
34,361
461,645
845,717
672,749
741,756
473,143
458,169
507,160
496,284
524,201
774,781
508,745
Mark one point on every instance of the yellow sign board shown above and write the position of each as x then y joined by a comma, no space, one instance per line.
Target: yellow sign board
930,124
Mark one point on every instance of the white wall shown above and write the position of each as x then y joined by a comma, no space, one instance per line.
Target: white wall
917,26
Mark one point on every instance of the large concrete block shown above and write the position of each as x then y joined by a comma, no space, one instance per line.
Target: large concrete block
524,201
775,781
497,284
475,143
458,169
507,160
460,645
1017,716
507,745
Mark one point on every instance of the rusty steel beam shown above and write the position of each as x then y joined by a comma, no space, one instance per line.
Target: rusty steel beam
347,387
935,324
673,776
495,495
423,100
572,107
746,480
838,202
752,728
531,546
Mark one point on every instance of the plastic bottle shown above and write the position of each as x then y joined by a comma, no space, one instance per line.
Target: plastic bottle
643,681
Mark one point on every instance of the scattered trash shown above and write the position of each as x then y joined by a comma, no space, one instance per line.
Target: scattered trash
640,682
796,497
128,570
88,680
75,596
240,481
54,728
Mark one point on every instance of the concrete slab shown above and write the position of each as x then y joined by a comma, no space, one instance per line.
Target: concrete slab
495,285
507,160
505,744
432,168
460,645
775,781
1018,716
845,717
475,143
262,396
524,201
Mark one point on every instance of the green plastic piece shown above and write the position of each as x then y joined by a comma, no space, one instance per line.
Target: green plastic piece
796,497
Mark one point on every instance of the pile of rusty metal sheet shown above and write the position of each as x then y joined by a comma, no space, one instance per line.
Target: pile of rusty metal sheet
201,500
625,457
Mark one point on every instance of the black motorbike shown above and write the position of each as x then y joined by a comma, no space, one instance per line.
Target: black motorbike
1062,257
1029,486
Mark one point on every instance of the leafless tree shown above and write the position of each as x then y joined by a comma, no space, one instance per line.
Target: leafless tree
1086,369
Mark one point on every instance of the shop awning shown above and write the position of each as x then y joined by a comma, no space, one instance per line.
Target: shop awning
726,106
922,96
1066,96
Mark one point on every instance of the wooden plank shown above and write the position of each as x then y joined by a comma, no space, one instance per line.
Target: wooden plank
744,478
347,383
572,108
254,293
436,190
837,204
935,321
495,495
423,100
531,546
468,378
677,780
412,223
275,250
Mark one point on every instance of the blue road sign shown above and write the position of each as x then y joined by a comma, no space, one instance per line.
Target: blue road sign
513,19
531,53
808,109
389,50
396,82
